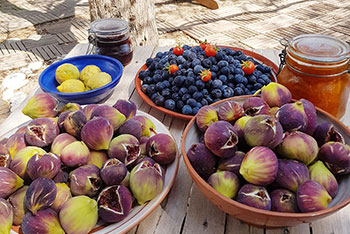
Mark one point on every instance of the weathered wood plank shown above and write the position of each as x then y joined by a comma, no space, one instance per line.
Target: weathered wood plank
302,228
235,226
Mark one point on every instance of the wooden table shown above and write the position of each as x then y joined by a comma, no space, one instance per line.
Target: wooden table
185,209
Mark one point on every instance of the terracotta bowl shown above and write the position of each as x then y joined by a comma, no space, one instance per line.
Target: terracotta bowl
249,53
259,217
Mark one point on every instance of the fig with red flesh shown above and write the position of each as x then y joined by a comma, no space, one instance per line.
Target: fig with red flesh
230,111
97,133
124,147
43,165
5,157
202,160
326,132
161,148
74,122
126,107
336,156
283,200
85,180
254,196
113,172
206,115
41,132
255,106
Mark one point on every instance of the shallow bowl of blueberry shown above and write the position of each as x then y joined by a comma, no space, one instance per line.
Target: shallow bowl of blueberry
181,80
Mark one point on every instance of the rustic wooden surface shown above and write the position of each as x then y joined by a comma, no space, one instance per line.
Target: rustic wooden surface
185,209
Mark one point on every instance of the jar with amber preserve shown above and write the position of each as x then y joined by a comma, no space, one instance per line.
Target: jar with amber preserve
111,37
317,69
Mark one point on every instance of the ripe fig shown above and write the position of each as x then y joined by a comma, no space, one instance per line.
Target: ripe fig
259,166
85,180
15,143
17,200
43,222
40,195
230,111
126,107
6,216
202,160
256,106
61,141
292,117
238,127
147,125
63,194
254,196
320,173
311,196
221,139
275,94
97,158
131,127
336,156
311,115
232,164
5,157
283,200
326,132
263,130
97,133
225,182
111,114
143,143
162,148
114,203
61,118
41,105
124,147
75,154
113,172
41,132
61,177
9,182
88,109
43,165
74,122
70,106
206,115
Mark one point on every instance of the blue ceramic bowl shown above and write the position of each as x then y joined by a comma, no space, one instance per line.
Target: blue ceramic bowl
110,65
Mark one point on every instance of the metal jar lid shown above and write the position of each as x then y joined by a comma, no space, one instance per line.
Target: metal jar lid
109,26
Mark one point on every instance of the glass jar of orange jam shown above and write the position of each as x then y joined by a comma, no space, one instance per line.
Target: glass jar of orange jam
317,69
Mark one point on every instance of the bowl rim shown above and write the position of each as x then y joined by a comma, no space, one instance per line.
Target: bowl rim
68,60
328,210
259,57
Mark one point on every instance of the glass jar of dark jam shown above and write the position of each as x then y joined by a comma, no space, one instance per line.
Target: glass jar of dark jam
111,37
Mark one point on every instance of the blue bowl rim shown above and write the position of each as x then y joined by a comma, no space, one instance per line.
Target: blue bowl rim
67,60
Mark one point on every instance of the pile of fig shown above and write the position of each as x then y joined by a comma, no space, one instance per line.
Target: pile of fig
69,168
270,153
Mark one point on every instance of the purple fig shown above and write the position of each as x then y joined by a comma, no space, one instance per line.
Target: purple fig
113,172
311,196
291,174
41,132
202,160
63,194
230,111
126,107
336,156
259,166
254,196
326,132
4,139
15,143
140,159
97,158
124,147
283,200
275,94
70,106
146,181
5,157
143,143
88,110
114,203
41,105
126,181
43,222
238,127
75,154
131,127
147,125
40,195
299,146
60,142
85,180
9,182
320,173
232,164
311,115
17,200
74,122
43,165
97,133
256,106
221,139
206,115
225,182
113,115
292,117
273,111
61,118
263,130
6,216
162,148
21,129
61,177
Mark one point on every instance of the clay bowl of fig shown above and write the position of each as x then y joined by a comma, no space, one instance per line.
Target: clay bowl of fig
252,215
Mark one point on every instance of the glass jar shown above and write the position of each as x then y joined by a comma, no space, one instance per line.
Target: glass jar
317,69
111,37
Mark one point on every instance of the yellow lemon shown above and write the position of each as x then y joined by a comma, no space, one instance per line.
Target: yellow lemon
66,71
71,86
98,80
88,72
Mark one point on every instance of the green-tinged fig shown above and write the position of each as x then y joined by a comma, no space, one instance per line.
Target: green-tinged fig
283,200
63,194
71,217
97,158
254,196
161,148
114,203
43,165
97,133
326,132
85,180
61,141
311,115
113,115
126,107
15,143
41,105
255,106
17,200
75,154
131,127
259,166
320,173
113,172
5,157
126,181
146,181
43,222
292,117
70,107
41,132
221,139
147,125
40,195
88,110
230,111
143,143
275,94
311,196
206,115
232,164
336,156
74,122
238,127
263,130
299,146
124,147
225,182
9,182
6,216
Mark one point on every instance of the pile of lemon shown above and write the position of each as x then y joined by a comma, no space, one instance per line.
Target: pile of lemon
71,81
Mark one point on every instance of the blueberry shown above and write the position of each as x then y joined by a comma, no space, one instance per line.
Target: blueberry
237,63
192,56
175,89
170,104
238,78
159,55
242,57
230,59
189,81
209,99
246,91
200,84
165,74
216,100
195,110
187,64
228,92
166,83
172,57
206,63
213,60
267,69
205,92
222,64
186,110
204,102
225,71
173,61
268,81
185,97
223,87
237,53
252,79
240,85
195,62
239,71
216,93
166,93
186,47
157,78
159,100
214,68
191,74
149,61
198,104
142,74
261,81
219,55
178,81
159,66
180,59
180,67
208,84
213,75
260,67
153,97
192,89
197,95
152,67
257,86
226,50
151,89
164,61
264,77
197,69
191,102
257,73
186,53
231,85
238,91
160,86
250,86
147,80
244,81
177,73
179,104
201,57
183,91
217,84
144,88
175,96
